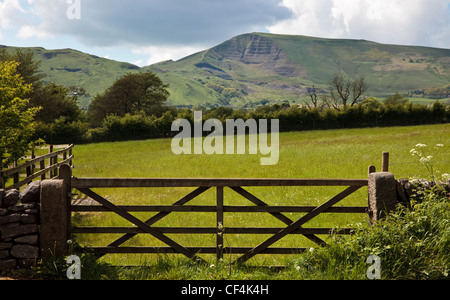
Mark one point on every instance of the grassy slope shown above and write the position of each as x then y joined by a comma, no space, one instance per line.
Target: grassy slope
380,63
74,68
315,154
388,68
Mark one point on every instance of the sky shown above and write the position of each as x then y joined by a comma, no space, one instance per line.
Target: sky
144,32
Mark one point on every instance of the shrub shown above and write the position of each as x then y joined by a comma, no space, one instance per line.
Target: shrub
412,243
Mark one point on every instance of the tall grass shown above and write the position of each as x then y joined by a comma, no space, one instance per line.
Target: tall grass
413,244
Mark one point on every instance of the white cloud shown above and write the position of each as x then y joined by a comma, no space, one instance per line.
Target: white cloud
157,22
11,13
151,31
8,11
157,54
29,31
415,22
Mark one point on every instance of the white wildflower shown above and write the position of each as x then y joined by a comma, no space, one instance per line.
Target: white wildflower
421,145
425,160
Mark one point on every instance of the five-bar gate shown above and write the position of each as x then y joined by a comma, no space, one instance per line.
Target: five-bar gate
201,185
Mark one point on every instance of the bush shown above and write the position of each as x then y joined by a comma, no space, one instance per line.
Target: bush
132,127
62,132
413,244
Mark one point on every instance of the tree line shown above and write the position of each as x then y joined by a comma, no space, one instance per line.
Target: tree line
33,110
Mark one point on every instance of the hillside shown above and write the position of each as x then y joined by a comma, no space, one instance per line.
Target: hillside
74,68
258,67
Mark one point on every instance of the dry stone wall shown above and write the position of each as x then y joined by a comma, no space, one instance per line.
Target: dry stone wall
19,227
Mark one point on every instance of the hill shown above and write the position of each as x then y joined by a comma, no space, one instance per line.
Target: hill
74,68
258,68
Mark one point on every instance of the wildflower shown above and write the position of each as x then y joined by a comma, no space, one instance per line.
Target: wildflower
421,145
425,160
439,145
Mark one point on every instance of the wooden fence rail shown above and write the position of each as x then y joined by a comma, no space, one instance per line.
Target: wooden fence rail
47,164
201,185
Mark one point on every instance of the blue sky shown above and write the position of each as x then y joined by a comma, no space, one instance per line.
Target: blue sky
149,31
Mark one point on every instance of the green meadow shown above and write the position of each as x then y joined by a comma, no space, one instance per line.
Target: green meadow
334,154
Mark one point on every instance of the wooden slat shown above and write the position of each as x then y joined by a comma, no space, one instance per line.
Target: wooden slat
200,250
208,182
226,209
208,230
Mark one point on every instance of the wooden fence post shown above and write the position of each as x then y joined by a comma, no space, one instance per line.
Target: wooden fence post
50,161
2,178
385,162
220,229
65,174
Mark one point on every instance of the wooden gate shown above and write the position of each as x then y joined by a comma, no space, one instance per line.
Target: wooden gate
201,185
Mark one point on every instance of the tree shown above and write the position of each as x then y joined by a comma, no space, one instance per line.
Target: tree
16,116
312,92
315,98
56,103
27,67
54,99
396,99
344,90
131,94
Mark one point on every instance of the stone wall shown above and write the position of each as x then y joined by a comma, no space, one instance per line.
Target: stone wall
19,227
407,189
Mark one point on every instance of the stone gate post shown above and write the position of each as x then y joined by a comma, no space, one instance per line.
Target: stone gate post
382,195
53,240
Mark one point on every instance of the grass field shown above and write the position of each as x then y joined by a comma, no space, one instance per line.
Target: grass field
313,154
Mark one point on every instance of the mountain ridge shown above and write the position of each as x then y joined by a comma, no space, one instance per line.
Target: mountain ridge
256,68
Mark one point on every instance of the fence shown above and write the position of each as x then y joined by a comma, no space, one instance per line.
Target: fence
219,229
48,164
387,166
